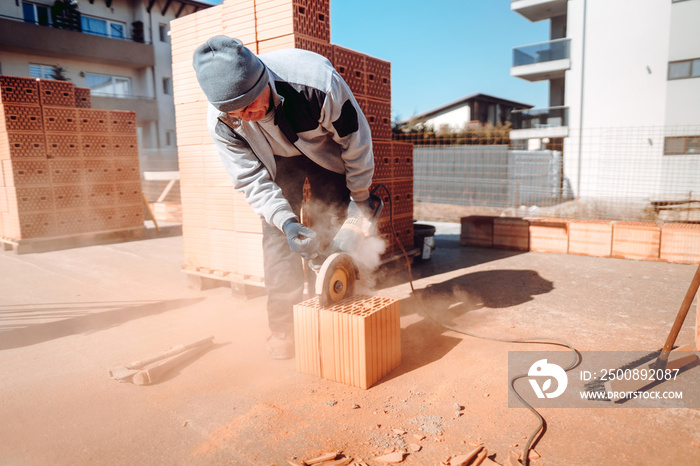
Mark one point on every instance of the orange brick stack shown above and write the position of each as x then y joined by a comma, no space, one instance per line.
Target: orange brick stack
356,341
667,242
222,236
549,235
66,169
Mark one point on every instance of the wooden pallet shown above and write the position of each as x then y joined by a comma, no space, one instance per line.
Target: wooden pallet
202,278
57,243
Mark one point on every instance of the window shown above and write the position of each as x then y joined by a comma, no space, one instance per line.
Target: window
170,138
163,32
40,71
36,14
684,69
110,86
167,86
101,27
682,145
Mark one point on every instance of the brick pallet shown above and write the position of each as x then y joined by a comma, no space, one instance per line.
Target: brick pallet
69,174
211,220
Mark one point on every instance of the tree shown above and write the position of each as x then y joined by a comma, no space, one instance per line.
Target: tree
59,73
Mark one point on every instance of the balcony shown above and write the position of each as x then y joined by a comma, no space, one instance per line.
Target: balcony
146,108
542,61
537,10
550,122
32,39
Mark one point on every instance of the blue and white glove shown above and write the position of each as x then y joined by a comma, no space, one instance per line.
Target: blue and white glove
301,239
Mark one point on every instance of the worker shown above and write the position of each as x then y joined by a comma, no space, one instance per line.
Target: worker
278,119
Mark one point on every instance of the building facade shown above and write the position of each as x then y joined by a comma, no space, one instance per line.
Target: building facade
472,110
119,49
625,72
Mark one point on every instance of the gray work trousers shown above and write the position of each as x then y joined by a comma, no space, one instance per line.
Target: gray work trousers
326,211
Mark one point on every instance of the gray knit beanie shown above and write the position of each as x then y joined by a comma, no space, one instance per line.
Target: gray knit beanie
230,75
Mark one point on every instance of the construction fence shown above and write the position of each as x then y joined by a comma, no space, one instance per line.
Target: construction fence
649,174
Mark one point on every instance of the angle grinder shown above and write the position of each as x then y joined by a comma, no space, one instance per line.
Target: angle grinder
335,267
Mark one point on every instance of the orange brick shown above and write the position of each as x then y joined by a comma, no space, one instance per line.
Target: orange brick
314,45
14,89
402,153
549,235
636,240
83,98
476,230
130,216
402,196
383,161
352,67
125,169
355,342
68,197
378,78
23,144
63,145
60,119
33,199
22,117
287,41
31,172
56,93
36,225
64,171
95,145
590,237
378,115
122,122
511,233
680,243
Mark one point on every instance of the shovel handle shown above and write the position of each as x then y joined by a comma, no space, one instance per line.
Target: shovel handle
680,318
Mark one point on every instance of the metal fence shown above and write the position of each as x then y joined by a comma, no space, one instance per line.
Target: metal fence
634,174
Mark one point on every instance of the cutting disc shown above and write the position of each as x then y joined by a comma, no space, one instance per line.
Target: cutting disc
336,279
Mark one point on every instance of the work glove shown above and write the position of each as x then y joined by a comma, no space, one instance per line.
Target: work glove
301,239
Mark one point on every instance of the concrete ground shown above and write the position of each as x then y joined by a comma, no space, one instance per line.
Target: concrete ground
67,317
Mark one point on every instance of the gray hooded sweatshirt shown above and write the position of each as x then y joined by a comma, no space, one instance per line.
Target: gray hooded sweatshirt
316,112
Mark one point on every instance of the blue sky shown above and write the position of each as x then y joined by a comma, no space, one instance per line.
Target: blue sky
441,50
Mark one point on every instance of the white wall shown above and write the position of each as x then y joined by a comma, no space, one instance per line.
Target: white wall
626,57
683,95
456,119
618,70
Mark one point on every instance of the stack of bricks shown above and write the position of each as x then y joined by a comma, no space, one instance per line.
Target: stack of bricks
666,242
357,341
67,170
221,234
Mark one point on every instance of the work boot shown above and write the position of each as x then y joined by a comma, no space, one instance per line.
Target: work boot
280,345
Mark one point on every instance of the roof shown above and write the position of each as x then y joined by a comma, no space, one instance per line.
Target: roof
464,100
180,6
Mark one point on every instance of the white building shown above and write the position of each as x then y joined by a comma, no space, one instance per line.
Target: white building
472,110
624,93
120,49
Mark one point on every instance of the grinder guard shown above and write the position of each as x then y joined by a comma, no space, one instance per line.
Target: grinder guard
336,267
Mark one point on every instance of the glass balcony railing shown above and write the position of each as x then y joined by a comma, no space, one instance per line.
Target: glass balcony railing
534,118
557,49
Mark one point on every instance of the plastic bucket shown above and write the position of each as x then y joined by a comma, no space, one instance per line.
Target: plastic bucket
424,239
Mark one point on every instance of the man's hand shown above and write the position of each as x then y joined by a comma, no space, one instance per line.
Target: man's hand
301,239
